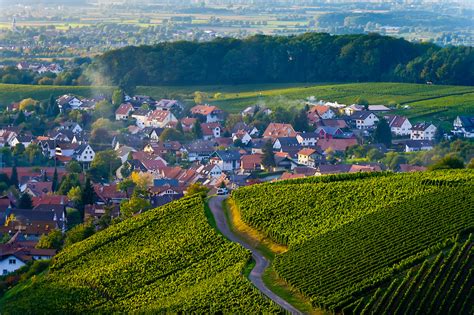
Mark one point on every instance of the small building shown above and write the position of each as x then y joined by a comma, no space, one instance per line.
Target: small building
278,130
399,125
309,157
463,126
251,162
211,113
418,145
159,118
124,111
84,153
227,160
423,131
364,119
211,130
307,139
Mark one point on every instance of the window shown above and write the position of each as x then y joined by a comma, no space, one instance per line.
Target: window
12,261
5,271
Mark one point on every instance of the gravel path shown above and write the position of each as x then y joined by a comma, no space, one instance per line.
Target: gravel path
215,204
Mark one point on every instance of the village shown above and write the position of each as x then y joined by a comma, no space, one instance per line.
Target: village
165,149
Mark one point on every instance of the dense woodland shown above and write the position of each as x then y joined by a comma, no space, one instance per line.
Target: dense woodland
311,57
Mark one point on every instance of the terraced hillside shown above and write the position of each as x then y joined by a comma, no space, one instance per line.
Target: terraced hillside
350,235
165,260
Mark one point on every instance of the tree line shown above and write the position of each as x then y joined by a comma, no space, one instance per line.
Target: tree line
311,57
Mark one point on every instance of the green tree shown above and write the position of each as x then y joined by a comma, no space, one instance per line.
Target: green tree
448,162
88,192
471,164
300,121
135,205
78,233
75,195
52,240
374,155
69,181
197,188
117,97
104,165
125,185
382,133
179,127
268,159
170,135
55,186
25,201
74,167
73,217
14,177
197,131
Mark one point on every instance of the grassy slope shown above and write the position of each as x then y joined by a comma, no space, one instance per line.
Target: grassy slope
436,102
166,260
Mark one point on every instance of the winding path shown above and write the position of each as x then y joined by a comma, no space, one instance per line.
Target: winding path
261,263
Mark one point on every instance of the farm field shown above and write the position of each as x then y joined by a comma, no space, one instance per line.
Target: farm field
167,260
385,227
424,102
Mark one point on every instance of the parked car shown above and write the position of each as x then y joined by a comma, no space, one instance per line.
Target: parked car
222,191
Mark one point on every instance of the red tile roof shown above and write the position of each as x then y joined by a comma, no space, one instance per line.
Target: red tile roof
336,144
203,109
124,109
278,130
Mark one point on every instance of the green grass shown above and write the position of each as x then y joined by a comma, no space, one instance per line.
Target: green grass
16,92
439,103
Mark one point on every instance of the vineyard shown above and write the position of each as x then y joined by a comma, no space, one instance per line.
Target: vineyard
440,285
368,242
165,260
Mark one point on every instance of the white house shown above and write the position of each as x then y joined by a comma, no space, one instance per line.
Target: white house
307,139
24,140
211,130
418,145
423,131
243,136
210,170
399,125
140,115
10,263
364,119
227,160
69,101
159,118
72,126
464,126
309,157
212,113
84,153
124,111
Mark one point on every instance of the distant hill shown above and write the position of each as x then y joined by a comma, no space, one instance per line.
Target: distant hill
382,243
311,57
167,260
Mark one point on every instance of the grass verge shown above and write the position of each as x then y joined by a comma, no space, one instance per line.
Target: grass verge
269,249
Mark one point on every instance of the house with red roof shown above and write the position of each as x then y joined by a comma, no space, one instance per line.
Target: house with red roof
211,130
159,118
399,125
279,130
124,111
336,144
251,162
211,113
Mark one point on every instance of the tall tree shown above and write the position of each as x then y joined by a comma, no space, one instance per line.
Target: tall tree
382,133
117,97
268,159
197,131
55,184
300,121
88,192
179,127
25,201
14,177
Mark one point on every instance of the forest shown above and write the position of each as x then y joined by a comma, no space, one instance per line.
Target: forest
311,57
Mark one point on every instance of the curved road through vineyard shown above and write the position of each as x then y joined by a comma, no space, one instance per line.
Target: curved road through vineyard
261,263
